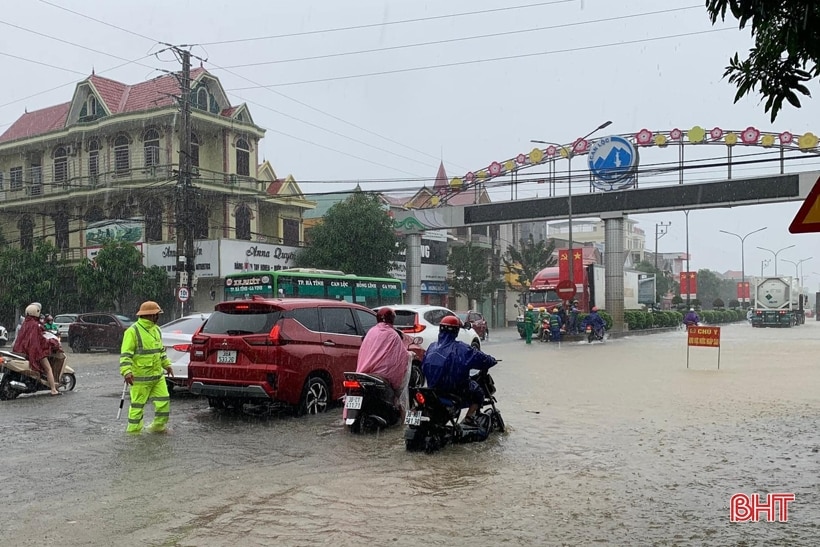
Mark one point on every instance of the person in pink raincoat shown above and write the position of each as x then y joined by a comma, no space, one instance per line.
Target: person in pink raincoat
383,353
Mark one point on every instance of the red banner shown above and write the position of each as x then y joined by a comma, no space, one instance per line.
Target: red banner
743,291
577,265
693,284
684,284
704,336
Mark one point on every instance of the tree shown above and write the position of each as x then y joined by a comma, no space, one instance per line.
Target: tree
471,276
29,276
527,260
786,51
355,236
116,279
663,282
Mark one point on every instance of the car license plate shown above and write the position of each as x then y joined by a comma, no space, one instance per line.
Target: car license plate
354,402
412,418
225,356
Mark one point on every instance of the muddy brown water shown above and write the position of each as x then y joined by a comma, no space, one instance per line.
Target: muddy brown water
611,444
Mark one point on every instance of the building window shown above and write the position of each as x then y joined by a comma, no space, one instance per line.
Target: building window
243,222
151,148
16,178
290,232
200,221
91,106
202,98
243,158
2,186
26,226
61,230
36,188
120,211
152,211
194,151
93,160
122,163
60,165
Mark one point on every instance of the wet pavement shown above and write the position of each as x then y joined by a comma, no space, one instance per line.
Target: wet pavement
612,443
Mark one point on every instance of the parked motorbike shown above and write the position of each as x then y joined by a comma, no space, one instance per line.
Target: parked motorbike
594,334
18,378
370,400
4,336
545,330
432,419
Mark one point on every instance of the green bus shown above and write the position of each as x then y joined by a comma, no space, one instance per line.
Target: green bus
371,292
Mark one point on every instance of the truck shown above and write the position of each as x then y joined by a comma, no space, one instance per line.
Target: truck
590,293
779,302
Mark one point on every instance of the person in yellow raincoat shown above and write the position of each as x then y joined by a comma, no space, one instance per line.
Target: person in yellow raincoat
142,360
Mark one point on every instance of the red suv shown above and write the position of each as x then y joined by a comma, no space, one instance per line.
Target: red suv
291,351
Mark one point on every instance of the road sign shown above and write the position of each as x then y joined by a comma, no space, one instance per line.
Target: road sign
183,294
565,289
807,219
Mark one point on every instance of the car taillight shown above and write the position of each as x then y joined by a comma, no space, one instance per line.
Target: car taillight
420,397
182,347
351,384
275,335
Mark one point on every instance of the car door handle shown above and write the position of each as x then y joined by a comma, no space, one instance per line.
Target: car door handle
329,343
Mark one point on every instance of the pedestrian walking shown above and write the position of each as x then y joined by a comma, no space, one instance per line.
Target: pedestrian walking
142,360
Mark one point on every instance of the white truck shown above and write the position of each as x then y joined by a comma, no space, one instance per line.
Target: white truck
778,302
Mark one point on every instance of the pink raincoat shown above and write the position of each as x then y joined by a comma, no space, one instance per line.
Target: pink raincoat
384,354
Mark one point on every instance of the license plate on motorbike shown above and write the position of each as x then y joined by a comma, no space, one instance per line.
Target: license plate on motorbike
354,402
226,356
412,418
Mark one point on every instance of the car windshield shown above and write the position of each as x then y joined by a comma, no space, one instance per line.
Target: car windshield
235,322
125,320
462,316
64,319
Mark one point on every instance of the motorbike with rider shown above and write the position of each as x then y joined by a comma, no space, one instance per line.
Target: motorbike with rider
691,319
594,325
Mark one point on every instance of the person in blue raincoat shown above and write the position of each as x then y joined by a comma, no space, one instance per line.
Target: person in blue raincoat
447,364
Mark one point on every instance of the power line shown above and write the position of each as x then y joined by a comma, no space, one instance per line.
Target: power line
488,60
98,21
383,24
40,63
462,39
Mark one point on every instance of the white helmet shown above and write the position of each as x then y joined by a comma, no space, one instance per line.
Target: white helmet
691,309
33,309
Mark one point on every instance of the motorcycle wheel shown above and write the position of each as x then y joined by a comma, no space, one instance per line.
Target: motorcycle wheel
498,421
67,382
417,378
432,444
6,391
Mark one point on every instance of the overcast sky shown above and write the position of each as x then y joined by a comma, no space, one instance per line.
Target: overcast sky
641,64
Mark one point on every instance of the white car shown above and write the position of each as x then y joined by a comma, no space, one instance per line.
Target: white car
423,321
62,321
176,336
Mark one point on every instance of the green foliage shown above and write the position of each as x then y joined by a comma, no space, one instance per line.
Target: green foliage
717,303
116,279
28,277
355,236
786,50
677,300
525,262
471,276
734,303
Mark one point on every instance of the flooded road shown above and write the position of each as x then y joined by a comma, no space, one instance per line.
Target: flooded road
612,444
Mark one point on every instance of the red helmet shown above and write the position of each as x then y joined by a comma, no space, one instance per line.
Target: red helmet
386,315
451,323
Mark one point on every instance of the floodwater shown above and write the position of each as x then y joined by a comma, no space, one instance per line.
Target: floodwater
614,443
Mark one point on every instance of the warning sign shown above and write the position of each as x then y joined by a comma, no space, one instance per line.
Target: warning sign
704,336
807,219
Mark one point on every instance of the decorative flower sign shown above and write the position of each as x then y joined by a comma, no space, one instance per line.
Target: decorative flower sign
661,140
644,137
536,155
521,159
469,177
676,134
580,146
731,139
750,136
696,134
786,137
494,169
716,133
807,141
509,165
457,183
767,140
551,151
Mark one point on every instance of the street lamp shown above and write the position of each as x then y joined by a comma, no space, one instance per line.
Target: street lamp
775,254
742,258
764,264
796,264
570,155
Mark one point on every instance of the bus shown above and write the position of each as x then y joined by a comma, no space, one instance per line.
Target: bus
370,292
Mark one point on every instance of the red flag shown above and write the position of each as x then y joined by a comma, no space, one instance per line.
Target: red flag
563,264
693,284
741,293
684,284
577,265
747,292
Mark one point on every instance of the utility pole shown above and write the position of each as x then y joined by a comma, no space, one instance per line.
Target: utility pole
183,201
663,226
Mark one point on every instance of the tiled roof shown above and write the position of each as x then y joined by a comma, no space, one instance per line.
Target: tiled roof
119,98
441,178
37,122
275,187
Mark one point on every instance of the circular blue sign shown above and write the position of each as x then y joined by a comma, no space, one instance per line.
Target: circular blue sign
612,162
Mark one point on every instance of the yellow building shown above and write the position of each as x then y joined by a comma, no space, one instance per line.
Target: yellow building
110,156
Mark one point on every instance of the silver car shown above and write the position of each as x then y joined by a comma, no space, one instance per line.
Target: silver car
176,336
63,321
422,321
